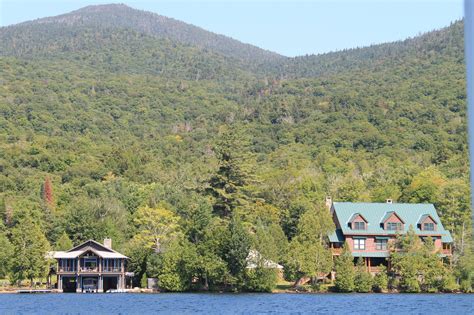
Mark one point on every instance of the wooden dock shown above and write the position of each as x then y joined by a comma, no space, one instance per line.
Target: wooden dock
31,291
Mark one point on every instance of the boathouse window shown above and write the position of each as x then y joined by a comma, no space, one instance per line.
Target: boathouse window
428,226
381,244
394,226
359,243
359,225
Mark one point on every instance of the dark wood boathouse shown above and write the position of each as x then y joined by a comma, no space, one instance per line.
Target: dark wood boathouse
91,267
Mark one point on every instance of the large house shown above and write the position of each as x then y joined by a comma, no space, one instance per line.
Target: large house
368,228
90,267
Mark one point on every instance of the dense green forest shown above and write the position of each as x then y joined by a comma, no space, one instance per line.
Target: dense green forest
189,149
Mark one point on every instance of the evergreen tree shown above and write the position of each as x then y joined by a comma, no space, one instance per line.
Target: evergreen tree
345,271
63,243
236,248
363,279
308,255
30,248
380,283
6,254
226,186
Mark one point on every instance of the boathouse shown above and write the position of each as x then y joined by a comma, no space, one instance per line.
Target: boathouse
90,267
368,229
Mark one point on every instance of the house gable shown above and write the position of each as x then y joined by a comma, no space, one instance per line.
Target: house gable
390,220
427,223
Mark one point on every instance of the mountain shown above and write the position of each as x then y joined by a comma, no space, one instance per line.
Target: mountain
123,109
120,16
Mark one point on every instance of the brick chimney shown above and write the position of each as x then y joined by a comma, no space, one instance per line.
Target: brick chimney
108,243
328,202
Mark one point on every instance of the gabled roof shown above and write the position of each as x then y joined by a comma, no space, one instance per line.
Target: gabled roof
90,245
423,218
355,215
373,212
388,214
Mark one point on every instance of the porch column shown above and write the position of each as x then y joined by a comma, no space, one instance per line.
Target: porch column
79,284
100,285
60,283
368,261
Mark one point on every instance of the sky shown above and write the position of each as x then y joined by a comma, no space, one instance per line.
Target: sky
287,27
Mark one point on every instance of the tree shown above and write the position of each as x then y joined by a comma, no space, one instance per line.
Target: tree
48,195
260,279
380,283
226,186
6,254
308,255
363,279
178,266
30,248
345,271
63,243
156,227
236,248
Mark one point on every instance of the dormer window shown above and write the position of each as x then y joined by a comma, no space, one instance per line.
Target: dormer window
391,221
359,225
428,226
394,226
427,223
357,222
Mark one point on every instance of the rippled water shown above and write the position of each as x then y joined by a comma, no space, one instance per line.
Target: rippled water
236,303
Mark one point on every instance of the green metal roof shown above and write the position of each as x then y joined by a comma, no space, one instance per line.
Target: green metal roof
371,254
375,213
336,236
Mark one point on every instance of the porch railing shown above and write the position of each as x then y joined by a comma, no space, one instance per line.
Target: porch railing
111,269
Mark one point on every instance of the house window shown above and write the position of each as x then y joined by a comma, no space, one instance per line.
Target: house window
381,244
359,244
394,226
428,226
359,225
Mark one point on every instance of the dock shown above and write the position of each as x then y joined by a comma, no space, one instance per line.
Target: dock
31,291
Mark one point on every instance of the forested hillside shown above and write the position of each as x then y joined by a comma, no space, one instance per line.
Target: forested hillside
190,148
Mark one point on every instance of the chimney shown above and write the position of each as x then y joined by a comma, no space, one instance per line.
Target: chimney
108,243
389,201
328,202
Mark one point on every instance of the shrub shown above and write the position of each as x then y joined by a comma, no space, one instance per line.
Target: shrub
380,281
363,279
260,279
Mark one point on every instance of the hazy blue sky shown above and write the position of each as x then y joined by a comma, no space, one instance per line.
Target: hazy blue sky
287,27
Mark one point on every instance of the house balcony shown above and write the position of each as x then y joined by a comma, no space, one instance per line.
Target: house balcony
67,269
89,270
336,251
112,269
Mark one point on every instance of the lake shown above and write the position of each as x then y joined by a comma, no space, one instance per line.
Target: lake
236,303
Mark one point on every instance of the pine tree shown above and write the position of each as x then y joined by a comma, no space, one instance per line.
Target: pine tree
345,271
226,186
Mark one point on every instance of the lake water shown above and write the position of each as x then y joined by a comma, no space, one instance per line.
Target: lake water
459,304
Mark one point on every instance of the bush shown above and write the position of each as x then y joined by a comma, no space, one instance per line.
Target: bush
448,284
344,271
144,281
260,279
380,281
363,279
466,286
